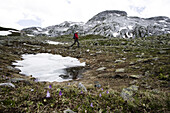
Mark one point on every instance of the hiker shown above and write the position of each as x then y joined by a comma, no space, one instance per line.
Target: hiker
75,37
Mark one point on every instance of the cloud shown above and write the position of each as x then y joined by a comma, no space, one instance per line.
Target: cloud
51,12
30,22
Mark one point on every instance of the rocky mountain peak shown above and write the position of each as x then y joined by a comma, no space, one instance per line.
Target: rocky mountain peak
107,14
109,23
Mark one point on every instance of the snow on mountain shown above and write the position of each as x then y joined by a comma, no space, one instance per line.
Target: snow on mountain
9,32
111,23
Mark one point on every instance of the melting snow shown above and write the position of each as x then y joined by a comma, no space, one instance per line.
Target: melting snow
46,67
4,33
55,43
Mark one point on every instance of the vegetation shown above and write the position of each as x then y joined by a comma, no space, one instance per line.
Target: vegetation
145,63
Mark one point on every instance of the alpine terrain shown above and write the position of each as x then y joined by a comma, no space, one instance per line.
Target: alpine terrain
110,23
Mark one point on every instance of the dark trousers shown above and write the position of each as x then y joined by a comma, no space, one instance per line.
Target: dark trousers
76,40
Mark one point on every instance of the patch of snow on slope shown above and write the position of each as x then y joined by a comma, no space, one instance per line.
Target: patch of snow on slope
46,67
4,33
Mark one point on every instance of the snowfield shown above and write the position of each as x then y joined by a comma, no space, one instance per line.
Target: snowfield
46,67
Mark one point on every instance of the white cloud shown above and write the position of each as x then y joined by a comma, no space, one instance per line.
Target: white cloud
51,12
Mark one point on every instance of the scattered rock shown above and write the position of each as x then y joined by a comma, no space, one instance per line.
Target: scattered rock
135,76
121,70
168,42
133,82
87,50
162,52
156,91
16,79
132,63
123,43
127,93
81,86
64,76
119,61
7,84
68,111
97,84
101,69
98,52
10,68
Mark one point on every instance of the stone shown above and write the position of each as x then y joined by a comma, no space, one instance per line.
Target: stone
16,79
7,84
120,70
119,61
133,82
168,42
64,76
101,69
135,76
156,91
127,93
123,43
132,63
81,86
162,52
97,84
68,111
13,69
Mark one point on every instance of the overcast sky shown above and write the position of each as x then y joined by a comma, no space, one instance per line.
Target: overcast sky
26,13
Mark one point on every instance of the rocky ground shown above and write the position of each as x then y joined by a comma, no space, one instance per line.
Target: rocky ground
121,75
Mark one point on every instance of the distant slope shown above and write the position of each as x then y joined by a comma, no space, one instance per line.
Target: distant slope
9,32
110,23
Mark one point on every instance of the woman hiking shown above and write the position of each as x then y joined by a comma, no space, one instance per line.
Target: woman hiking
75,37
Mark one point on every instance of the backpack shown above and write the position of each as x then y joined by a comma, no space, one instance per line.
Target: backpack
74,36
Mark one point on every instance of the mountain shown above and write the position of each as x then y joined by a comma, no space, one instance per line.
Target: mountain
9,32
110,23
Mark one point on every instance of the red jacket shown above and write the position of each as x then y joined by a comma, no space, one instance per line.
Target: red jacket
76,36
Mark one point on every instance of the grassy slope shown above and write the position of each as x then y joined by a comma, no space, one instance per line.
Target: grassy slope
147,57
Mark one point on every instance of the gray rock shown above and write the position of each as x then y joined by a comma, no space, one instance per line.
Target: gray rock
119,61
81,86
135,76
64,76
132,63
123,43
17,79
133,82
162,52
13,69
97,84
168,42
101,69
156,91
7,84
68,111
120,70
127,93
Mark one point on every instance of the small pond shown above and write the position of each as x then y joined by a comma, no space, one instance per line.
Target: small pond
49,67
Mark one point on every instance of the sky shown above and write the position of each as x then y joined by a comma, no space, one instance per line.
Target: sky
43,13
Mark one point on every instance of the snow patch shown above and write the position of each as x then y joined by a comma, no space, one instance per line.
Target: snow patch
4,33
46,67
54,43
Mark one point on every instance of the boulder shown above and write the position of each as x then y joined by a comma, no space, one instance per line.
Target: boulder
120,70
81,86
135,76
127,93
101,69
7,84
